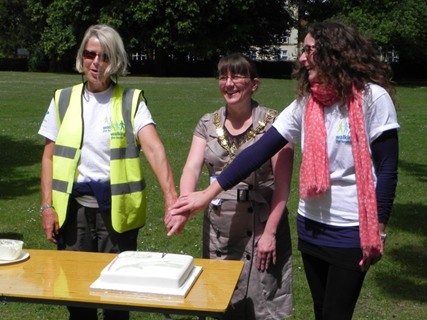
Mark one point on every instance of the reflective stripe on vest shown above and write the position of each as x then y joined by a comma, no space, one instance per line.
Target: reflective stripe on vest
128,203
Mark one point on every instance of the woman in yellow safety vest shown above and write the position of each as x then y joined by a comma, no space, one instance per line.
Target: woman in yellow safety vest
92,184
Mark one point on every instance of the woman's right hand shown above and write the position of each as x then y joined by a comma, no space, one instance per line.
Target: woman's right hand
175,223
50,224
184,208
192,203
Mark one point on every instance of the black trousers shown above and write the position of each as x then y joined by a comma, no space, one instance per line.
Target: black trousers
334,289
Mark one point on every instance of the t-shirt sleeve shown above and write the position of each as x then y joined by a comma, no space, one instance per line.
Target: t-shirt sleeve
381,113
201,130
143,117
49,127
289,122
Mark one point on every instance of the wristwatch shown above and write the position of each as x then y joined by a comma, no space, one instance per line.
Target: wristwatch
46,206
383,236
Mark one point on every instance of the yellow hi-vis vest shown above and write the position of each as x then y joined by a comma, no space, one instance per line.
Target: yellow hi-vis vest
128,199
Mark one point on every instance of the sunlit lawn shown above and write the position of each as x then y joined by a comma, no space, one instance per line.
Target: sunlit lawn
396,288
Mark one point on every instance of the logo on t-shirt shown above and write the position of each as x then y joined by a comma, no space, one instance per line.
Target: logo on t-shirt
343,134
106,127
116,129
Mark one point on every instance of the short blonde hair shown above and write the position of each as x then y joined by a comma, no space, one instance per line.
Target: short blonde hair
112,46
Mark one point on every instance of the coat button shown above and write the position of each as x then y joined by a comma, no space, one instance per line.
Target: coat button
218,253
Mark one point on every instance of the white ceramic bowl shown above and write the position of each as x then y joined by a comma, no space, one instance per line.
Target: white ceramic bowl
10,249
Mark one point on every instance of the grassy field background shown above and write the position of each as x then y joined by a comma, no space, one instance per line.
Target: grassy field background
396,288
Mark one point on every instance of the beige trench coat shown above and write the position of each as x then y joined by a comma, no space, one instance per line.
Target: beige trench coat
234,224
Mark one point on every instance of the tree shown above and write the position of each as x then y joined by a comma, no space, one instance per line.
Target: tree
203,28
60,25
399,25
393,25
15,31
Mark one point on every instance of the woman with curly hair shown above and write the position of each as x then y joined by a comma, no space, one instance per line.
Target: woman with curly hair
345,120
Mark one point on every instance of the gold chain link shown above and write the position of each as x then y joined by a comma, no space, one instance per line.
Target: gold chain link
250,135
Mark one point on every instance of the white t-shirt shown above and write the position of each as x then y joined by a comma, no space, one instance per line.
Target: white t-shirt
94,164
339,205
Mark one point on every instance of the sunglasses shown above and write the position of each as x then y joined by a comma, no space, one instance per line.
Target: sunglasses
91,55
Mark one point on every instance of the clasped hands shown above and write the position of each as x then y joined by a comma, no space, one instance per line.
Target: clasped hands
185,207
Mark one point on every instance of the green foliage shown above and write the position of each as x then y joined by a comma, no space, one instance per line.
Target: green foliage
392,24
14,33
396,288
202,28
65,20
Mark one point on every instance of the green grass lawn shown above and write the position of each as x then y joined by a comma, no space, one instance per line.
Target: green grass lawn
396,288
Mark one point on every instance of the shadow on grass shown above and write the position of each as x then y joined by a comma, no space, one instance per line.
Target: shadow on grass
417,170
11,235
407,277
16,155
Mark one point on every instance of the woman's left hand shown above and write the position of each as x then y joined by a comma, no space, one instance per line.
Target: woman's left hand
266,251
370,257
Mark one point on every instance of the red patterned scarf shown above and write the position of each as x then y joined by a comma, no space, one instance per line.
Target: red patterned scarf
314,174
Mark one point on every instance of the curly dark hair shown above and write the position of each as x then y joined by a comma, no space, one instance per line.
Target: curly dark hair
344,57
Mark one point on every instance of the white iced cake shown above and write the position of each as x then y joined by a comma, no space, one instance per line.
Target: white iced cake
146,272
